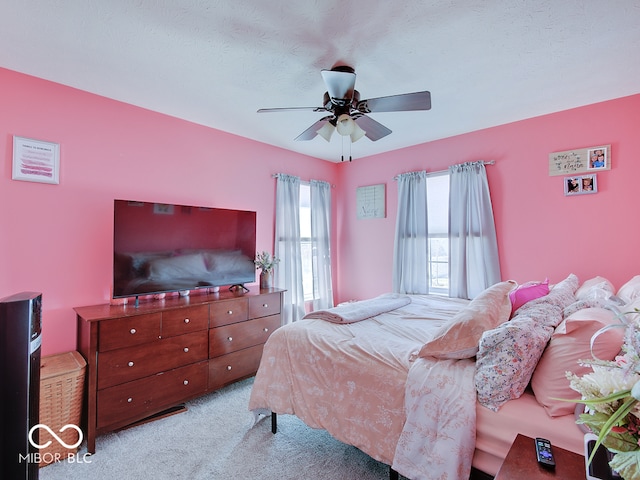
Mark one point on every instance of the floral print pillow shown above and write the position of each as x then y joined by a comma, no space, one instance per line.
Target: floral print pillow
508,355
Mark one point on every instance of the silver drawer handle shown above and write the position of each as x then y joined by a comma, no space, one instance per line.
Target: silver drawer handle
265,329
186,349
186,382
265,305
186,320
129,400
228,367
133,330
130,364
230,339
230,312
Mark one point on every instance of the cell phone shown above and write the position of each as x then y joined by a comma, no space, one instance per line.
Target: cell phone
599,468
544,453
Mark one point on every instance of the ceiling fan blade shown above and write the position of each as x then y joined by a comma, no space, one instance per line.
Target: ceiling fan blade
312,131
340,85
396,103
288,109
373,130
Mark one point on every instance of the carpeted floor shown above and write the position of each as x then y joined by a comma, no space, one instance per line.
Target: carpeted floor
214,440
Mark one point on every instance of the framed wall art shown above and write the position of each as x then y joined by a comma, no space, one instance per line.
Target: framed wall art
580,184
598,159
370,201
35,160
581,160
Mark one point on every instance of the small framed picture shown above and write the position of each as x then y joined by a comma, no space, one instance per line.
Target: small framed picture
35,160
571,185
580,184
597,159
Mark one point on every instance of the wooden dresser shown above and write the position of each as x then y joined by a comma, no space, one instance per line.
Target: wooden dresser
146,359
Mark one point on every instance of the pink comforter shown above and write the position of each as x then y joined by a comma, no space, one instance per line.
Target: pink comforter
440,425
350,379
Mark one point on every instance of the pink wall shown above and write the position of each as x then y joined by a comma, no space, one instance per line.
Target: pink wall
541,233
57,239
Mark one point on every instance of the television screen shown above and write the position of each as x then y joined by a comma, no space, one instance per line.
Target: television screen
166,248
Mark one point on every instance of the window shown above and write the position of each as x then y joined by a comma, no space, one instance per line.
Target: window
305,241
438,228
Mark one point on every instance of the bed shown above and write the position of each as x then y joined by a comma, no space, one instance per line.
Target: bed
414,380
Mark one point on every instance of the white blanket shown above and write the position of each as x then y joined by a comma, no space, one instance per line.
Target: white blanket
440,404
357,311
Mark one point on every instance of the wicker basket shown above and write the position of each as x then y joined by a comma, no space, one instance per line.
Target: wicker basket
61,394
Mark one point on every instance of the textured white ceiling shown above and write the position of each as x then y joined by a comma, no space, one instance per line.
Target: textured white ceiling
215,62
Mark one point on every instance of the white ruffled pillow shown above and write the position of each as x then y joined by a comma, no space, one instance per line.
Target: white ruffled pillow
630,290
595,287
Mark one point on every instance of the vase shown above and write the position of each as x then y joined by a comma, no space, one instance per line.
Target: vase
266,279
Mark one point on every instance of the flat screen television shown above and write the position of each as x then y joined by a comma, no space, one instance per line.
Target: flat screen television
159,248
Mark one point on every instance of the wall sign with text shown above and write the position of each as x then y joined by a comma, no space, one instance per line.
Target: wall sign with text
370,201
591,159
35,160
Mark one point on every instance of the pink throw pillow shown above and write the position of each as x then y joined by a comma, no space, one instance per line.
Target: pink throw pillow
526,292
459,338
570,343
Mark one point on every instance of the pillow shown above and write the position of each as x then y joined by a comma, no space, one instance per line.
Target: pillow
570,343
183,266
527,292
562,294
508,355
595,287
630,290
586,303
459,337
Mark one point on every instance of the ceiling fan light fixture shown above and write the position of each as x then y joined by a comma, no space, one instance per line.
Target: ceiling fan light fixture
326,131
345,125
357,133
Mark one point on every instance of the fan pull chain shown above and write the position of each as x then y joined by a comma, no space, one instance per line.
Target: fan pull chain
342,156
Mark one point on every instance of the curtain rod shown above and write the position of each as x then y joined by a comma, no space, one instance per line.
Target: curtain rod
275,175
486,162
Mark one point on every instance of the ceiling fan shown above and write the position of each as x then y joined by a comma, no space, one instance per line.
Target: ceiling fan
348,114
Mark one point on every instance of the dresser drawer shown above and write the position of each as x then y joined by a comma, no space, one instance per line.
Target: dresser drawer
229,311
129,331
234,366
126,364
264,305
132,401
230,338
185,320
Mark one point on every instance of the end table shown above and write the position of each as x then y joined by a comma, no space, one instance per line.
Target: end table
521,463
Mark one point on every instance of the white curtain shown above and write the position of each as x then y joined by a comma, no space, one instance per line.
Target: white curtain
473,246
288,273
410,272
321,244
